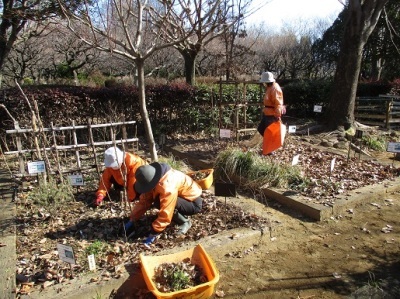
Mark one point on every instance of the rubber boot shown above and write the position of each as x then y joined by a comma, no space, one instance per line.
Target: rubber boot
183,223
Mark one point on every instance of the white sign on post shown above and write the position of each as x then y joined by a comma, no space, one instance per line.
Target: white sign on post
295,160
36,167
393,147
76,180
92,262
66,254
292,129
225,133
333,164
317,108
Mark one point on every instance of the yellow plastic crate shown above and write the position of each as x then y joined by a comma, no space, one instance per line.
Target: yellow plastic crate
207,181
198,256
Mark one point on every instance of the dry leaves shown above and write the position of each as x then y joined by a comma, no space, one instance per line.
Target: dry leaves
79,226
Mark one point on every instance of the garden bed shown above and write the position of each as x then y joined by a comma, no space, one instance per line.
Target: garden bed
95,231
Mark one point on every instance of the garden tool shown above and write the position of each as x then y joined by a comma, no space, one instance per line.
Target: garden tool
183,222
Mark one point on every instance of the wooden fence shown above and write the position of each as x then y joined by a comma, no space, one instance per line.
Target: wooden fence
75,139
383,111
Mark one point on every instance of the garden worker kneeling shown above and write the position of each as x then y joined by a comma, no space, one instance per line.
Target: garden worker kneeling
120,171
175,194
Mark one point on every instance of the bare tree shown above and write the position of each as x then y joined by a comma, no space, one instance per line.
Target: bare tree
15,15
361,20
135,30
222,15
25,56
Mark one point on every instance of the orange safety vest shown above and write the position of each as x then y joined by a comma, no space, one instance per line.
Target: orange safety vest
273,100
173,184
125,176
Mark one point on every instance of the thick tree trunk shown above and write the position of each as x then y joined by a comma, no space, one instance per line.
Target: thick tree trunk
189,55
341,105
143,110
361,21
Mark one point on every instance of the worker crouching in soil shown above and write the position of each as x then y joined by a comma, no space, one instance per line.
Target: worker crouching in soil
175,194
119,173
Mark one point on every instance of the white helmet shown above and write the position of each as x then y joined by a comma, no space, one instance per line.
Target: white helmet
267,77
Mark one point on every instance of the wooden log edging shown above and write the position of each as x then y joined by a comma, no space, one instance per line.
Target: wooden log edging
319,212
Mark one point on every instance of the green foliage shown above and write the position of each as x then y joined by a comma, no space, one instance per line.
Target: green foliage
64,71
96,248
28,81
52,193
179,280
255,169
377,143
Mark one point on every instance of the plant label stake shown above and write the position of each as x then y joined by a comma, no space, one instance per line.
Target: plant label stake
295,160
292,129
92,262
66,254
225,189
76,180
332,167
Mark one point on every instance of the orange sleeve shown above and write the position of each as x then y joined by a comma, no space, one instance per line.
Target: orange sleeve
105,183
167,206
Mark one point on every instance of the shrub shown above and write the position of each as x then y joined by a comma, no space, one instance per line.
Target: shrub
52,193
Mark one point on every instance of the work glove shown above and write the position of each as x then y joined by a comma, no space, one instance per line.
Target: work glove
98,200
150,239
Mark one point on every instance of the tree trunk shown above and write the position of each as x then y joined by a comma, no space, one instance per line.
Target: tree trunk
143,110
189,55
361,21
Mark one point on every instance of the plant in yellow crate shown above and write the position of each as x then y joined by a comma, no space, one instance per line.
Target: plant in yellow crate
203,177
196,262
171,277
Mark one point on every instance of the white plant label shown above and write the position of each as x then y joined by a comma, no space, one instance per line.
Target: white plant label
333,164
36,167
76,180
295,160
66,253
317,108
292,129
225,133
92,262
393,147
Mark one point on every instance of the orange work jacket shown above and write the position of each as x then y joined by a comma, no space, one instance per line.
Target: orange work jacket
125,173
173,184
273,100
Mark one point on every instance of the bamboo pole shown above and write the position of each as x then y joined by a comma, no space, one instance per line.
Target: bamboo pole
93,146
78,160
57,155
19,151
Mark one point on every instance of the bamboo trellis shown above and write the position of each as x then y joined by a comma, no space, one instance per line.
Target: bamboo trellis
52,145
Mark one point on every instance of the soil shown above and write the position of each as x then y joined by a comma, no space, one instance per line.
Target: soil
354,255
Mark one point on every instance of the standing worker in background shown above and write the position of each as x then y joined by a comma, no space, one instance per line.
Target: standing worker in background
119,173
175,194
273,102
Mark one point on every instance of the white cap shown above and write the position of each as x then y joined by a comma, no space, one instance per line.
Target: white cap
267,77
113,157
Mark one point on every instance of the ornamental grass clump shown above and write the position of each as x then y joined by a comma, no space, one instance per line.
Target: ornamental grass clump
256,171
